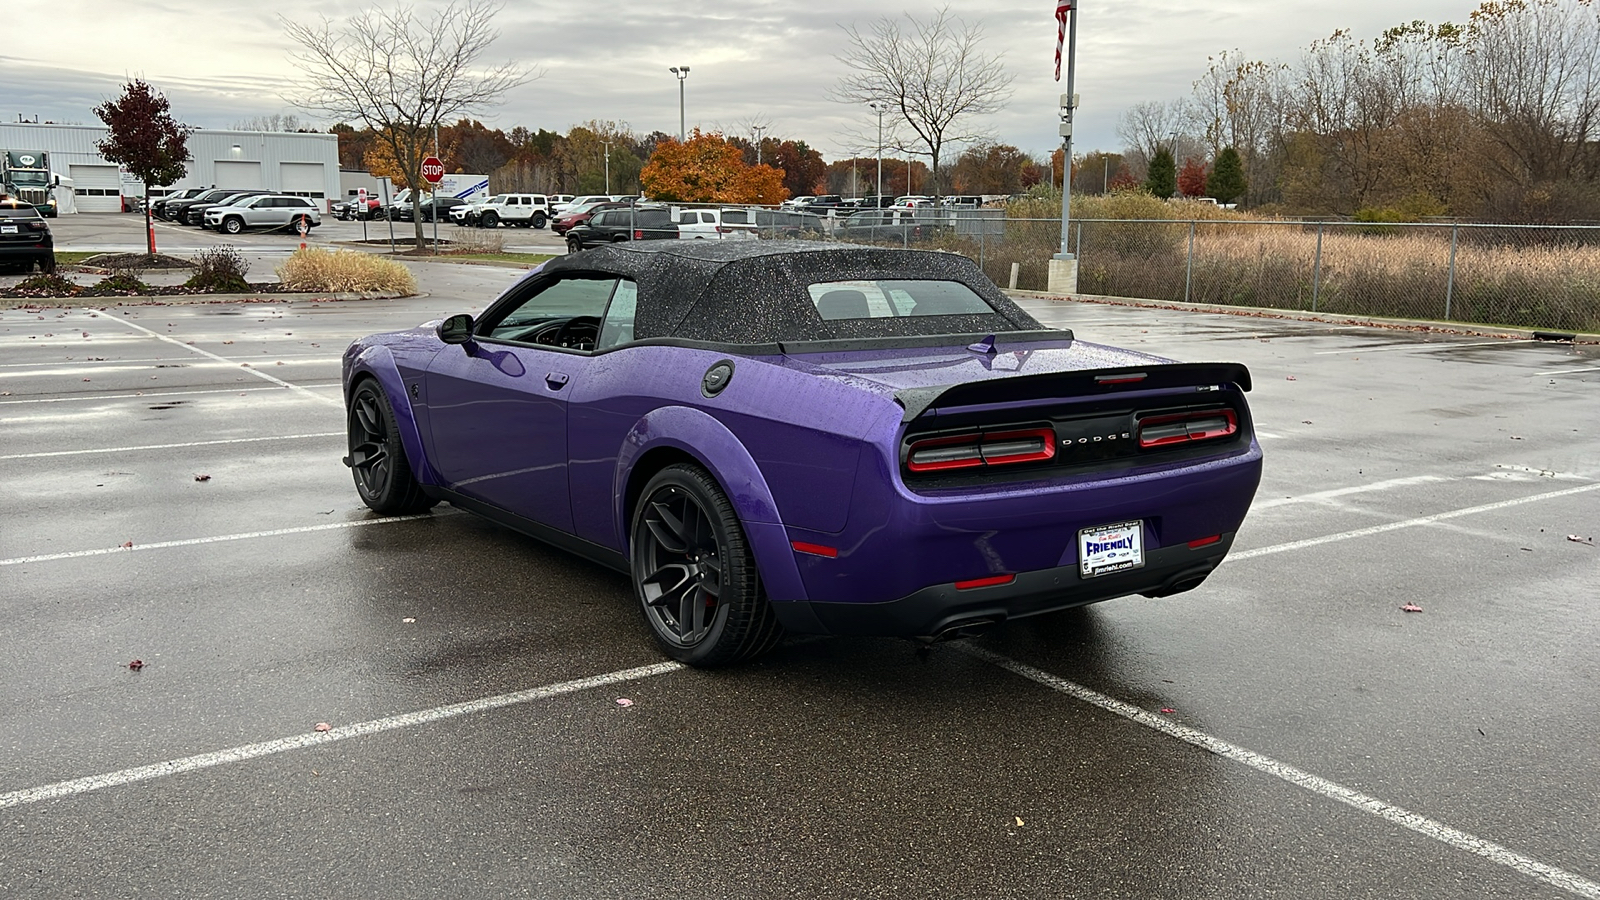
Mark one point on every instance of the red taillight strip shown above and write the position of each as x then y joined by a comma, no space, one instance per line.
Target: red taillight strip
814,549
1229,426
1205,542
991,581
1046,449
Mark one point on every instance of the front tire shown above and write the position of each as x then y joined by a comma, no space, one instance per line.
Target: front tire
377,459
232,226
490,220
694,574
574,245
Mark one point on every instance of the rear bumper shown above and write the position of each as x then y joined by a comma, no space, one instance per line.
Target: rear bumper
942,608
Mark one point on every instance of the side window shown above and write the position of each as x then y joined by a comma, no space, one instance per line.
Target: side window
549,306
617,329
735,217
688,217
708,218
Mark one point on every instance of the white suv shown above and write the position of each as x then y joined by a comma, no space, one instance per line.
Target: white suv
264,212
525,210
715,224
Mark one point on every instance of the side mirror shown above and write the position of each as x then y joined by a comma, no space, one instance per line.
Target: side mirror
456,329
55,181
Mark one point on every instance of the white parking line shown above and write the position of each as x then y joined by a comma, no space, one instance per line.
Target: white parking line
220,538
311,739
1320,496
146,395
281,437
103,370
1407,523
1569,371
1367,803
1431,345
222,359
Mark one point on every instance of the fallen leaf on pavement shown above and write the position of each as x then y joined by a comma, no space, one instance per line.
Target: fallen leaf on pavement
202,478
408,620
1580,540
323,726
1168,709
127,545
624,701
1020,823
1290,378
1411,607
136,665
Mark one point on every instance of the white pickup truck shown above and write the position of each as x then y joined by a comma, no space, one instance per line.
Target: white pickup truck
525,210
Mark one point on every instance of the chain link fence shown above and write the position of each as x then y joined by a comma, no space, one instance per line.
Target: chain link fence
1516,275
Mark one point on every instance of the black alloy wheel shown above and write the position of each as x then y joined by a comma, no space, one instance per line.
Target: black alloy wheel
574,245
377,459
490,219
539,220
694,574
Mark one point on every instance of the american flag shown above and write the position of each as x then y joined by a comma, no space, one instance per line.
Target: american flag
1063,7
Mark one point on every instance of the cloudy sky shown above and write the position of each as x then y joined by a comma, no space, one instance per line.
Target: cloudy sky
221,61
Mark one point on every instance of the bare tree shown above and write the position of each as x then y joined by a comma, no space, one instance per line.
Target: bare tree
401,76
275,122
934,76
1148,127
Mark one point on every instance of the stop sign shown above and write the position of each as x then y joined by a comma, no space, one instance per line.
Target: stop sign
433,170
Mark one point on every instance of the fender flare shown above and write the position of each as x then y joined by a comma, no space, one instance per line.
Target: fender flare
378,362
710,443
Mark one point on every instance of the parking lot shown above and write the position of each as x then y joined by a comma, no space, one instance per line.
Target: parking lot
174,495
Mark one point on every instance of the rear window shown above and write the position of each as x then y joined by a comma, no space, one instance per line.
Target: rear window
18,211
889,299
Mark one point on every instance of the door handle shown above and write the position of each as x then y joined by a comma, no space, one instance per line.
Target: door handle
556,380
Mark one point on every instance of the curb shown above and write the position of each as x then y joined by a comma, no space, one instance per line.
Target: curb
1262,312
199,299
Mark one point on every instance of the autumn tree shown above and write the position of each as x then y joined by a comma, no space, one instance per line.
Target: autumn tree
802,167
1162,177
1192,178
1227,182
401,76
708,169
989,169
934,75
142,135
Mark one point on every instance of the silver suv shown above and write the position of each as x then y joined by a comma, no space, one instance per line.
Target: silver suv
267,212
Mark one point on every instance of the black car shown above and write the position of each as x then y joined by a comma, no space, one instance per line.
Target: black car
443,205
821,203
25,239
195,213
610,226
782,223
159,205
172,210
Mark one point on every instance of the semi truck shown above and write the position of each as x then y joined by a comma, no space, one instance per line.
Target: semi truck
27,177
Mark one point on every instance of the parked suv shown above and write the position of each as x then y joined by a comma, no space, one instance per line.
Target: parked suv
195,214
264,213
159,205
441,206
715,224
172,210
525,210
610,226
24,238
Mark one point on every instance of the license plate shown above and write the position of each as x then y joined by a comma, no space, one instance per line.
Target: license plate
1110,548
8,229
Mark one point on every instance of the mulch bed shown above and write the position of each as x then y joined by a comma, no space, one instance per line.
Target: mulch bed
176,290
137,261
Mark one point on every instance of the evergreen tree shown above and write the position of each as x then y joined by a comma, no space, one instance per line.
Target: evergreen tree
1163,178
1227,182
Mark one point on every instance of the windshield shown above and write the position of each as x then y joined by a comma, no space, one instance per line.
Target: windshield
30,178
575,210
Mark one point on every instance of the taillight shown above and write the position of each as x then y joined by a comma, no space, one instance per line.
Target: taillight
998,448
936,454
638,234
1182,428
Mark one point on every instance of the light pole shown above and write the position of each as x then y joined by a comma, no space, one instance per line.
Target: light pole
878,198
682,72
608,167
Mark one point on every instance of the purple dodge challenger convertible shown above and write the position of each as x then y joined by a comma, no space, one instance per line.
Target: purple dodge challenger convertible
819,438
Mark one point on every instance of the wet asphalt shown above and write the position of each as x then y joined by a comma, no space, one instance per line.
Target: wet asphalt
1444,472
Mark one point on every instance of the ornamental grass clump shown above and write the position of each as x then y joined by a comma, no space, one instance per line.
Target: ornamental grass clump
318,270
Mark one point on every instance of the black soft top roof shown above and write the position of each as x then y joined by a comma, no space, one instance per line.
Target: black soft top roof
754,292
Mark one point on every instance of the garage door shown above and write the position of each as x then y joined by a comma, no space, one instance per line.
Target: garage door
302,179
246,176
96,188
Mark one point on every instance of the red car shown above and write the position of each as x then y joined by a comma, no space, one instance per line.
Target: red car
578,215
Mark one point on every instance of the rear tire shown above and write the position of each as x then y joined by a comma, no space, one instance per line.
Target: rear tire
694,574
377,458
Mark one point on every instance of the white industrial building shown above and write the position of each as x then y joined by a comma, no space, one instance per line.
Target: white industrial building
306,165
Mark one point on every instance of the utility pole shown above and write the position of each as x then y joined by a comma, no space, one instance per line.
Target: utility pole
1063,277
876,105
758,129
682,72
608,166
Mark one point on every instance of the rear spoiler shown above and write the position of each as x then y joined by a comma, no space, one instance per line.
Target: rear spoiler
1086,383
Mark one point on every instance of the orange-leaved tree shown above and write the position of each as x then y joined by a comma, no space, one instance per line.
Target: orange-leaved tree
708,169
